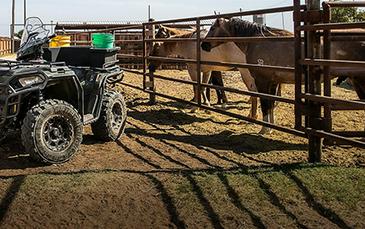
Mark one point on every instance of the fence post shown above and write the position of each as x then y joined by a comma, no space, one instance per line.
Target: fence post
298,66
144,56
198,61
326,73
314,87
151,86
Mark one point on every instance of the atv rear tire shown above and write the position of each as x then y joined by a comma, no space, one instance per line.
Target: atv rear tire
111,124
52,131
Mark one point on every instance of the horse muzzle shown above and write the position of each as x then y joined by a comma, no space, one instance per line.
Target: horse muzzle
206,46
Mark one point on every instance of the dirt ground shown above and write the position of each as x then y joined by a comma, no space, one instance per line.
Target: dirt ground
177,169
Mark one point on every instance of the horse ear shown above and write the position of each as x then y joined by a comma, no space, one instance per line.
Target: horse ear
221,21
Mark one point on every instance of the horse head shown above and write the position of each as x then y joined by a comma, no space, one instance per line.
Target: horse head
154,64
220,28
163,32
160,49
236,27
168,32
165,49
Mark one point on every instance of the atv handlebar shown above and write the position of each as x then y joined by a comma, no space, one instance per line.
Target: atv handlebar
52,36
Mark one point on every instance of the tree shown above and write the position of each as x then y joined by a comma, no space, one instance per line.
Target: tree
347,15
19,34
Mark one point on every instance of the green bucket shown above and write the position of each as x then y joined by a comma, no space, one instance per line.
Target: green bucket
103,40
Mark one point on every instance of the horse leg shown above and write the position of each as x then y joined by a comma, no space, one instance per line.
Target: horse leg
249,81
359,86
214,78
274,90
265,108
217,80
268,106
205,80
193,76
208,90
278,92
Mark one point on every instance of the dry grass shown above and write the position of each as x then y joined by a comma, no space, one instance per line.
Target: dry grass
175,169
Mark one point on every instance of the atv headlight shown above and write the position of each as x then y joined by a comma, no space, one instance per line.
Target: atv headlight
30,80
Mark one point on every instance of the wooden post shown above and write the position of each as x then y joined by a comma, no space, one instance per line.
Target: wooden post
314,87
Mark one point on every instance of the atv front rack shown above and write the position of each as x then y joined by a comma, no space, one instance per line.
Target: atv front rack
9,64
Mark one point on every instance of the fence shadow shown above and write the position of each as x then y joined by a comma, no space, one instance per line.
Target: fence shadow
10,196
250,144
225,140
13,156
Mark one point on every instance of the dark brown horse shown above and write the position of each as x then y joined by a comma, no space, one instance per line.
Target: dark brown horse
281,53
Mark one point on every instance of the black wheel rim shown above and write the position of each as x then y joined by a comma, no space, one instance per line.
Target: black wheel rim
58,133
117,117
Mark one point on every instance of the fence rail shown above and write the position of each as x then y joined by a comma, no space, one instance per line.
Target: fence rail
5,46
312,29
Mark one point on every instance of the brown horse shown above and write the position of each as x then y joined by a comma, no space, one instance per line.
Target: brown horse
281,53
216,77
187,49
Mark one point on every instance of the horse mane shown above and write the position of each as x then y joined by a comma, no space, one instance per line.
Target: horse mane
243,28
281,32
191,33
187,34
178,32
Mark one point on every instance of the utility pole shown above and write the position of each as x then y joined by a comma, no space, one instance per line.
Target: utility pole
25,11
12,30
149,12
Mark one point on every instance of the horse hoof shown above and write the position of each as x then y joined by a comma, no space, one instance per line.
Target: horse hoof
207,104
194,109
265,130
224,105
253,117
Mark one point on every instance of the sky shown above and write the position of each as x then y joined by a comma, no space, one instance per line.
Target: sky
134,10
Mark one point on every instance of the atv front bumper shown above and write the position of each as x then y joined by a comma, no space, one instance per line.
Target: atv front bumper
9,104
2,105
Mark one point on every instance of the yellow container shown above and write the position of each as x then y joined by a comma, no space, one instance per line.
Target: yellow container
60,41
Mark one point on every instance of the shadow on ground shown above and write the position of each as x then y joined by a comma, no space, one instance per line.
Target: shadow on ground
163,180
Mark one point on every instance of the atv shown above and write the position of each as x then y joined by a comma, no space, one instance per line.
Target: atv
49,94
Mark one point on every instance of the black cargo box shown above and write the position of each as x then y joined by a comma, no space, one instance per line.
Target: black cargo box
82,56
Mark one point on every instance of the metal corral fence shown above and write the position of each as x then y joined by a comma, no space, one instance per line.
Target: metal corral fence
312,26
5,46
129,38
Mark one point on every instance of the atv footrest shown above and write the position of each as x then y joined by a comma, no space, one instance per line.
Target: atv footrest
88,118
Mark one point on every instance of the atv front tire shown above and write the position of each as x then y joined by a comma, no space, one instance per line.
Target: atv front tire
111,124
52,131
